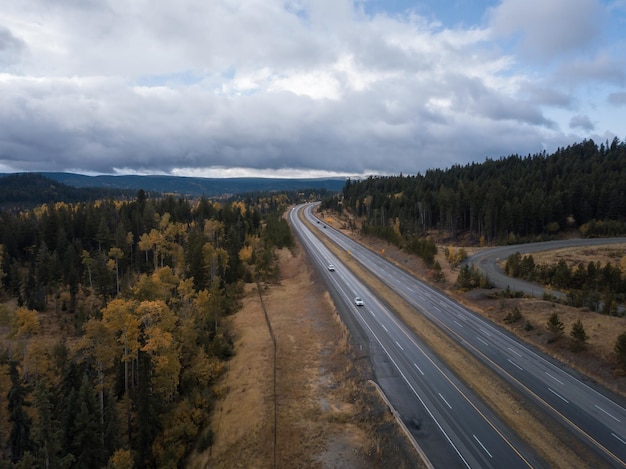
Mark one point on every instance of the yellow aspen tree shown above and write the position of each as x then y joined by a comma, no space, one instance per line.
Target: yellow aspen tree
215,259
121,318
159,245
26,325
116,254
159,325
145,244
214,231
89,263
168,279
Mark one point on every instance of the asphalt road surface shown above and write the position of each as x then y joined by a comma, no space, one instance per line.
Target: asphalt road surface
451,424
594,416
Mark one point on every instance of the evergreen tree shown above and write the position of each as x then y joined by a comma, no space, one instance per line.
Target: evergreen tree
47,433
20,441
147,413
112,426
555,326
87,444
620,350
579,336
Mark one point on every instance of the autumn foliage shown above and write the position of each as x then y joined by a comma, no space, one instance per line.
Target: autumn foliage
113,324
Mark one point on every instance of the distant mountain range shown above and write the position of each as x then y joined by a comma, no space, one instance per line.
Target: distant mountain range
195,186
28,189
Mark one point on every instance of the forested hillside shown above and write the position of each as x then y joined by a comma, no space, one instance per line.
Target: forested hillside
30,189
111,324
197,186
513,199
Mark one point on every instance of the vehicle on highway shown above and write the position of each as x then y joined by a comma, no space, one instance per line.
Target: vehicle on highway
331,267
358,301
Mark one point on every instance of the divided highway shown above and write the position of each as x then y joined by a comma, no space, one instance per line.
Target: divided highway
595,418
452,425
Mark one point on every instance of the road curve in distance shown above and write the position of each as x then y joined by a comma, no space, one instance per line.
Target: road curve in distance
487,261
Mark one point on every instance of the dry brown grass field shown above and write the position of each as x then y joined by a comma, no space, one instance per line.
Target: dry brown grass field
327,413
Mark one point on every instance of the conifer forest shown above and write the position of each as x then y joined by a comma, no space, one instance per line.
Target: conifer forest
112,330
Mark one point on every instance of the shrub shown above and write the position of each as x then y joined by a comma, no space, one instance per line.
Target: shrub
513,316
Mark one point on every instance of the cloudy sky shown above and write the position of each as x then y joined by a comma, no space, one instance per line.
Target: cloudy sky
303,87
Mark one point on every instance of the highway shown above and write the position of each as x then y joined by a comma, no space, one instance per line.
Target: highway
593,416
451,424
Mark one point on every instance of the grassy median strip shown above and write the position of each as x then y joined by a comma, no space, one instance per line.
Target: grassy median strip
550,441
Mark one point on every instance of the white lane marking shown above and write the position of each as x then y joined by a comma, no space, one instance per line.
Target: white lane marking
418,368
516,353
458,323
399,345
623,442
444,400
554,378
515,364
386,330
612,416
485,332
558,395
482,446
482,340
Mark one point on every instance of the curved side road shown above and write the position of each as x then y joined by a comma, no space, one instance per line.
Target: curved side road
487,262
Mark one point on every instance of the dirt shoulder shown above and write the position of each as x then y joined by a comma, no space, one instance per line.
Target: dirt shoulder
327,415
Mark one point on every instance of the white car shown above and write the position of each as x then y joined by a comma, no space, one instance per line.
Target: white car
358,301
331,267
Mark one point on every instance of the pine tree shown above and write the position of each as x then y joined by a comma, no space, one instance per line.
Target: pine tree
47,433
20,441
555,326
579,336
620,350
88,444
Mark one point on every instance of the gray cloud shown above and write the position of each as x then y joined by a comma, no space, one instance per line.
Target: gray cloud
617,99
11,47
547,29
601,68
109,87
581,122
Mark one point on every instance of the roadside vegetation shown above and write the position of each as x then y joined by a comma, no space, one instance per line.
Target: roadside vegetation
511,200
599,287
113,324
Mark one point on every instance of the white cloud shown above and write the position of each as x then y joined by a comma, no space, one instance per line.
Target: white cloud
301,86
547,29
